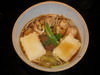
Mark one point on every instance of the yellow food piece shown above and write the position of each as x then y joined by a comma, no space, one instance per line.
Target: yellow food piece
67,48
32,46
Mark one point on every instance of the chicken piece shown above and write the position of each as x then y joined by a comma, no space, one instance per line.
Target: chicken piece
67,48
72,31
64,24
62,27
32,46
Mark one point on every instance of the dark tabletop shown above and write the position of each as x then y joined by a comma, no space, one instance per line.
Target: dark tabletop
11,64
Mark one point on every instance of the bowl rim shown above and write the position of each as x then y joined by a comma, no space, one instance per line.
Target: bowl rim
66,5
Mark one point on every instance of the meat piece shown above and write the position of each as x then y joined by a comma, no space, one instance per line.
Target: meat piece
49,47
43,38
62,27
60,30
64,24
72,31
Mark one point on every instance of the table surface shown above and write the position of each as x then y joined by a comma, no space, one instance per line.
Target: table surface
11,64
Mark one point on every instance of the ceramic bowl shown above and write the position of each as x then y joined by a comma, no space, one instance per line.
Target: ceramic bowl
51,7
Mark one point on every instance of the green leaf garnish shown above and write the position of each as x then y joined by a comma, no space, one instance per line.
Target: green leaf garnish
58,36
50,34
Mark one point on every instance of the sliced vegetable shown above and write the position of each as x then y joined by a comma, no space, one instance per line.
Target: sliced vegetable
58,36
56,66
48,61
50,34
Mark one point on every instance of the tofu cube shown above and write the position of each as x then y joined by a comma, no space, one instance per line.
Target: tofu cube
67,48
32,46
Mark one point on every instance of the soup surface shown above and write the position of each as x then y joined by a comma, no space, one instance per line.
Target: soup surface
50,40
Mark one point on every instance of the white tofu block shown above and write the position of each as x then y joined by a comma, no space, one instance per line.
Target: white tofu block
67,48
32,46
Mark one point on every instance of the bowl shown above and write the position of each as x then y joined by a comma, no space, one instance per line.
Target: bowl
51,7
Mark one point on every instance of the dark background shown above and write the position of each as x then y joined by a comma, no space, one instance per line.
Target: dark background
11,64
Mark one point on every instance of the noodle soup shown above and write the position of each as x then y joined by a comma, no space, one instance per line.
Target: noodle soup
50,40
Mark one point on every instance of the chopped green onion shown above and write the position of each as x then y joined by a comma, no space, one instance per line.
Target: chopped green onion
58,36
50,34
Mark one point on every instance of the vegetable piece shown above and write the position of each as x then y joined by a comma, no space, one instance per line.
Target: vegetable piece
56,66
48,61
48,42
50,34
58,36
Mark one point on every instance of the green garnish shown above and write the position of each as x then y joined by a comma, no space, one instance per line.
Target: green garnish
50,34
58,36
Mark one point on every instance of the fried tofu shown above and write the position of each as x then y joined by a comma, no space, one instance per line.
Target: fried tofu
32,46
67,48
